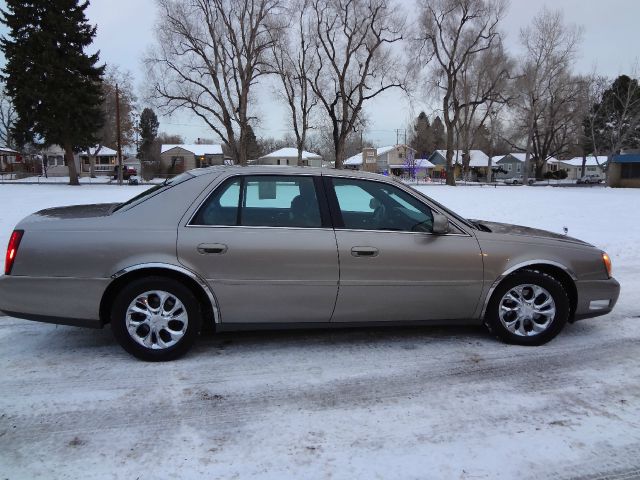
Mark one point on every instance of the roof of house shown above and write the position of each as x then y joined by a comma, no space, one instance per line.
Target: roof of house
626,158
517,155
478,157
289,152
357,158
8,150
577,161
104,152
419,163
197,149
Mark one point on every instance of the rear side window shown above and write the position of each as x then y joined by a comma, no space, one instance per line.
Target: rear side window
221,208
263,201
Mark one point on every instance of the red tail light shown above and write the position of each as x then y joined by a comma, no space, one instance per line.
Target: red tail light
12,250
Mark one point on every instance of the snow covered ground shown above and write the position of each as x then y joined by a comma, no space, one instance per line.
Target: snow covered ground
372,403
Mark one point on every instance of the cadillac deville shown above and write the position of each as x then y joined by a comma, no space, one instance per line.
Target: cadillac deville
233,248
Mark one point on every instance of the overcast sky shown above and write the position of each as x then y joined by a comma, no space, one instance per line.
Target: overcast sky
610,46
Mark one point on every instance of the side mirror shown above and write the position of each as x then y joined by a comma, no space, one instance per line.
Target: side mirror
440,224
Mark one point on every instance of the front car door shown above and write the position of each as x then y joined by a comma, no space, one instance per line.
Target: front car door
265,245
392,267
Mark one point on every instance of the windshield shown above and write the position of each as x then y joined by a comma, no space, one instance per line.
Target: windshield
168,183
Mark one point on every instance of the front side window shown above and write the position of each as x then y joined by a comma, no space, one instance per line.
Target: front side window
262,201
367,205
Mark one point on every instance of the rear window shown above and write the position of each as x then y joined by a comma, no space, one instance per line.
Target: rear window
168,183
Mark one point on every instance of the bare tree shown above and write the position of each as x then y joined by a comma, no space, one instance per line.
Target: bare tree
483,87
107,135
210,54
549,50
353,60
293,60
7,119
454,32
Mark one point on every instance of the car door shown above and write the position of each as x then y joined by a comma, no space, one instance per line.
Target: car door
265,245
392,267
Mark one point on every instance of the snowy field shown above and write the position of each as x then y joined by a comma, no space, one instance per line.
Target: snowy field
428,403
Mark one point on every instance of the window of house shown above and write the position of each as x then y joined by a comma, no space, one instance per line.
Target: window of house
55,160
367,205
591,169
509,167
518,167
630,170
264,201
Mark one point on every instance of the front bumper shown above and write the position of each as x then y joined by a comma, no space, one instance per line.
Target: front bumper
64,301
596,297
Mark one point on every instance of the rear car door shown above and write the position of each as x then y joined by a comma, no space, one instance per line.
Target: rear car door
392,267
265,245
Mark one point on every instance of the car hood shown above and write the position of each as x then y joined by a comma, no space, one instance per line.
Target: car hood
510,229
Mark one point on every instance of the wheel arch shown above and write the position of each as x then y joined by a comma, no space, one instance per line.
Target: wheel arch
560,272
204,294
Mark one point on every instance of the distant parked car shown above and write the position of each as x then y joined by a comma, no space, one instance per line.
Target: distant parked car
127,172
591,179
236,248
518,180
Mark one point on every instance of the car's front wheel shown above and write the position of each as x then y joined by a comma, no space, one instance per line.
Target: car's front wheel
528,308
156,318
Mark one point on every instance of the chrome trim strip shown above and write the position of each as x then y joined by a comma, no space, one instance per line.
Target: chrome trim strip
205,286
518,266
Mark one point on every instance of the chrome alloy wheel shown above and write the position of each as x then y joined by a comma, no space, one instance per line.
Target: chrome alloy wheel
156,319
527,310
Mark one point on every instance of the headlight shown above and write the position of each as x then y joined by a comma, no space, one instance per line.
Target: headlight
607,263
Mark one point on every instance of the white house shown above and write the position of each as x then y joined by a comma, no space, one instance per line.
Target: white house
379,159
478,162
289,156
573,166
106,160
176,158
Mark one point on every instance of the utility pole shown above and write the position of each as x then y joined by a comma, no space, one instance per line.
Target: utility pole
118,135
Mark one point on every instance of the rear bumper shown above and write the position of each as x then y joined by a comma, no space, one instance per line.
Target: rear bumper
64,301
596,297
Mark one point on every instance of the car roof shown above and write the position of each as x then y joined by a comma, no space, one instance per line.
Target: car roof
284,170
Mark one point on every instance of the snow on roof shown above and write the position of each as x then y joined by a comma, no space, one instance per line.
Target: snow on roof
104,152
289,152
577,161
197,149
8,150
357,158
478,157
419,163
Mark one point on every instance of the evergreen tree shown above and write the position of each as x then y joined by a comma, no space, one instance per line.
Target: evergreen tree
437,132
252,148
422,137
613,123
148,131
55,86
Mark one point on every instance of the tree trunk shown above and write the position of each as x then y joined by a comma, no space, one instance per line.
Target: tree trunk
92,166
450,168
339,148
584,163
71,165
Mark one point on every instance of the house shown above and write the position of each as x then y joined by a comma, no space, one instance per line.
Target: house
180,158
624,170
289,156
421,168
512,165
53,161
478,163
106,159
8,159
573,166
379,160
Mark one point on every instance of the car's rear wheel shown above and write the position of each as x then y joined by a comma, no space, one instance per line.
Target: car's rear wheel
528,308
156,318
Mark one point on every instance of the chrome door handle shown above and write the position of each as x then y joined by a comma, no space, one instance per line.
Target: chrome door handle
364,252
212,248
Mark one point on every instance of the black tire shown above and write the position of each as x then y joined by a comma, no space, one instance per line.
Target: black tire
533,277
138,287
